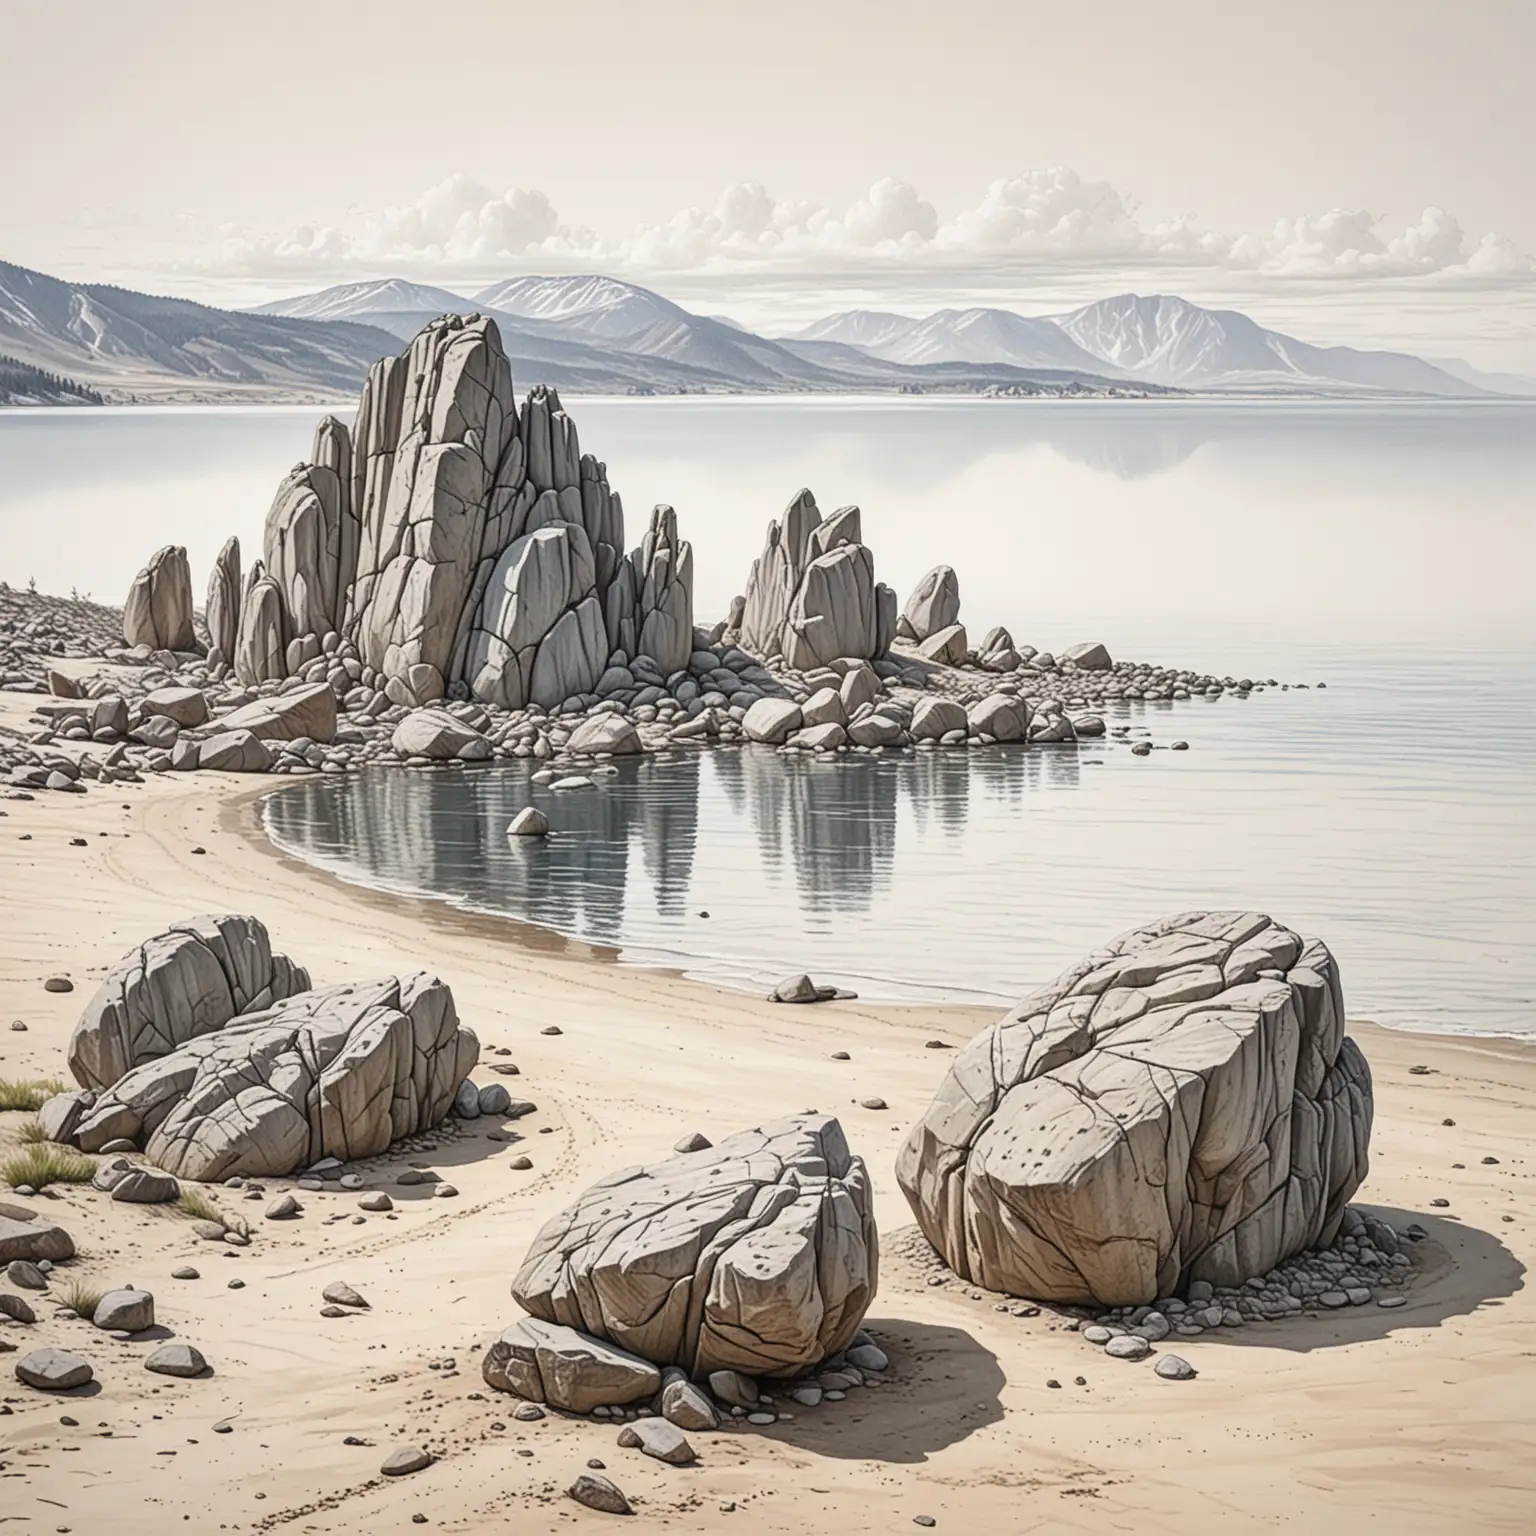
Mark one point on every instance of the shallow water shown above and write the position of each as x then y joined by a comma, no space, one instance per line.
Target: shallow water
1386,549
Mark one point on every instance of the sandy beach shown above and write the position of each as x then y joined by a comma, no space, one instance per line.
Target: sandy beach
1417,1419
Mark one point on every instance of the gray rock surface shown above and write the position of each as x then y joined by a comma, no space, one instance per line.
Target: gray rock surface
158,610
933,605
24,1234
529,822
433,733
234,752
659,1438
54,1370
338,1072
308,711
1182,1105
128,1310
261,643
604,733
757,1255
773,721
186,982
221,614
1087,657
596,1492
549,1363
177,1360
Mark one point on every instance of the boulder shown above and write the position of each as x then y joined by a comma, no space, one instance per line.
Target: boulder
824,707
933,605
529,822
261,643
185,982
188,707
54,1370
234,752
26,1235
684,1404
221,615
548,1363
658,1438
1088,657
1182,1105
61,1115
338,1072
608,733
947,647
433,733
772,721
1000,716
933,718
600,1493
876,730
308,711
158,611
128,1310
176,1360
757,1255
145,1186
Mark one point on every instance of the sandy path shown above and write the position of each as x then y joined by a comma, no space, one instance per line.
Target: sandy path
1417,1419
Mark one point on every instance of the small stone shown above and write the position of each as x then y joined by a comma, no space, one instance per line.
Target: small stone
693,1142
1174,1368
873,1103
1128,1346
128,1309
528,1413
15,1308
54,1370
733,1389
552,1029
598,1493
1334,1299
176,1360
445,1192
186,1272
1391,1301
408,1459
378,1201
26,1274
284,1208
868,1357
658,1438
334,1311
521,1163
58,984
926,1521
342,1294
762,1420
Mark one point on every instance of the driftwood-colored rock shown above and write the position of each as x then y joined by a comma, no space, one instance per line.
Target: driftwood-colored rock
1181,1105
757,1255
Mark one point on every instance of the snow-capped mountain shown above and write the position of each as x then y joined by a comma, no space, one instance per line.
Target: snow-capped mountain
600,306
1168,340
136,345
957,336
356,301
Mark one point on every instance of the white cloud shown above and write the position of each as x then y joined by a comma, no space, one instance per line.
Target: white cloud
1041,218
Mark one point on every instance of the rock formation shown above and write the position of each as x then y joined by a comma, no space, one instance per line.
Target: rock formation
933,606
757,1255
158,611
812,597
1181,1106
338,1072
461,548
181,984
222,614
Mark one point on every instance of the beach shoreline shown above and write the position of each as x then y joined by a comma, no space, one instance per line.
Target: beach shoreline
1422,1416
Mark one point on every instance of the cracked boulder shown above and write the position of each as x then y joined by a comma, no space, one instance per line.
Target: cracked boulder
568,1369
338,1072
756,1255
933,606
183,983
1182,1105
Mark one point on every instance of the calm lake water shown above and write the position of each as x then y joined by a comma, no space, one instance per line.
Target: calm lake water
1384,549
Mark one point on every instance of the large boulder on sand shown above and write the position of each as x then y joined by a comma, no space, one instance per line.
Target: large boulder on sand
338,1072
185,982
757,1255
158,611
1181,1105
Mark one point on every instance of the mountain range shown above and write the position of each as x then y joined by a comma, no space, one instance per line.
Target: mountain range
599,334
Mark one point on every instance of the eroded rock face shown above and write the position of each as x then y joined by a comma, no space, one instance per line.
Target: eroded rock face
756,1255
1181,1105
158,612
933,605
812,597
181,984
547,1363
338,1072
222,613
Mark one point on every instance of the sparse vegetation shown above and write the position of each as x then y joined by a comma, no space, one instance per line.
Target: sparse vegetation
195,1203
30,1133
82,1298
16,1094
46,1163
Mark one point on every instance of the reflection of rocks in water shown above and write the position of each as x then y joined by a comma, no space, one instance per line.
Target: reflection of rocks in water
837,819
938,786
1131,448
667,820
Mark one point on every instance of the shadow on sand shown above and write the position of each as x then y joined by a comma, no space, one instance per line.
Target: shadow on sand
944,1385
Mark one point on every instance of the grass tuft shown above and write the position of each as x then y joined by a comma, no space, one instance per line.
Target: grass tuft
15,1094
46,1163
30,1133
82,1299
195,1203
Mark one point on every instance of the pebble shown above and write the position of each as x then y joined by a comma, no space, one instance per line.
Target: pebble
26,1274
408,1459
342,1294
58,984
176,1360
1174,1368
1128,1346
284,1208
378,1201
186,1272
597,1492
54,1370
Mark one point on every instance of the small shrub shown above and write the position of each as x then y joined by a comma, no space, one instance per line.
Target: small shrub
46,1163
15,1094
195,1203
30,1133
82,1299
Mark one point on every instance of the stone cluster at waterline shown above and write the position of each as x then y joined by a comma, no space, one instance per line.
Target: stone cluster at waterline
211,1053
1181,1106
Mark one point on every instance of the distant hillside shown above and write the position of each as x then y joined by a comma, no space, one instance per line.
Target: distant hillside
22,384
132,346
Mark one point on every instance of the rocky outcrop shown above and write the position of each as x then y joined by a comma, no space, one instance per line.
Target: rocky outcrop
757,1255
222,613
933,605
338,1072
461,547
158,611
812,597
1181,1106
181,984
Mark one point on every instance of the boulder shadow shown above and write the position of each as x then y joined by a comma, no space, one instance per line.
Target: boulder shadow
942,1387
1458,1270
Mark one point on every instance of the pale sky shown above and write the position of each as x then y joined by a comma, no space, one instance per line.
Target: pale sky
1357,170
